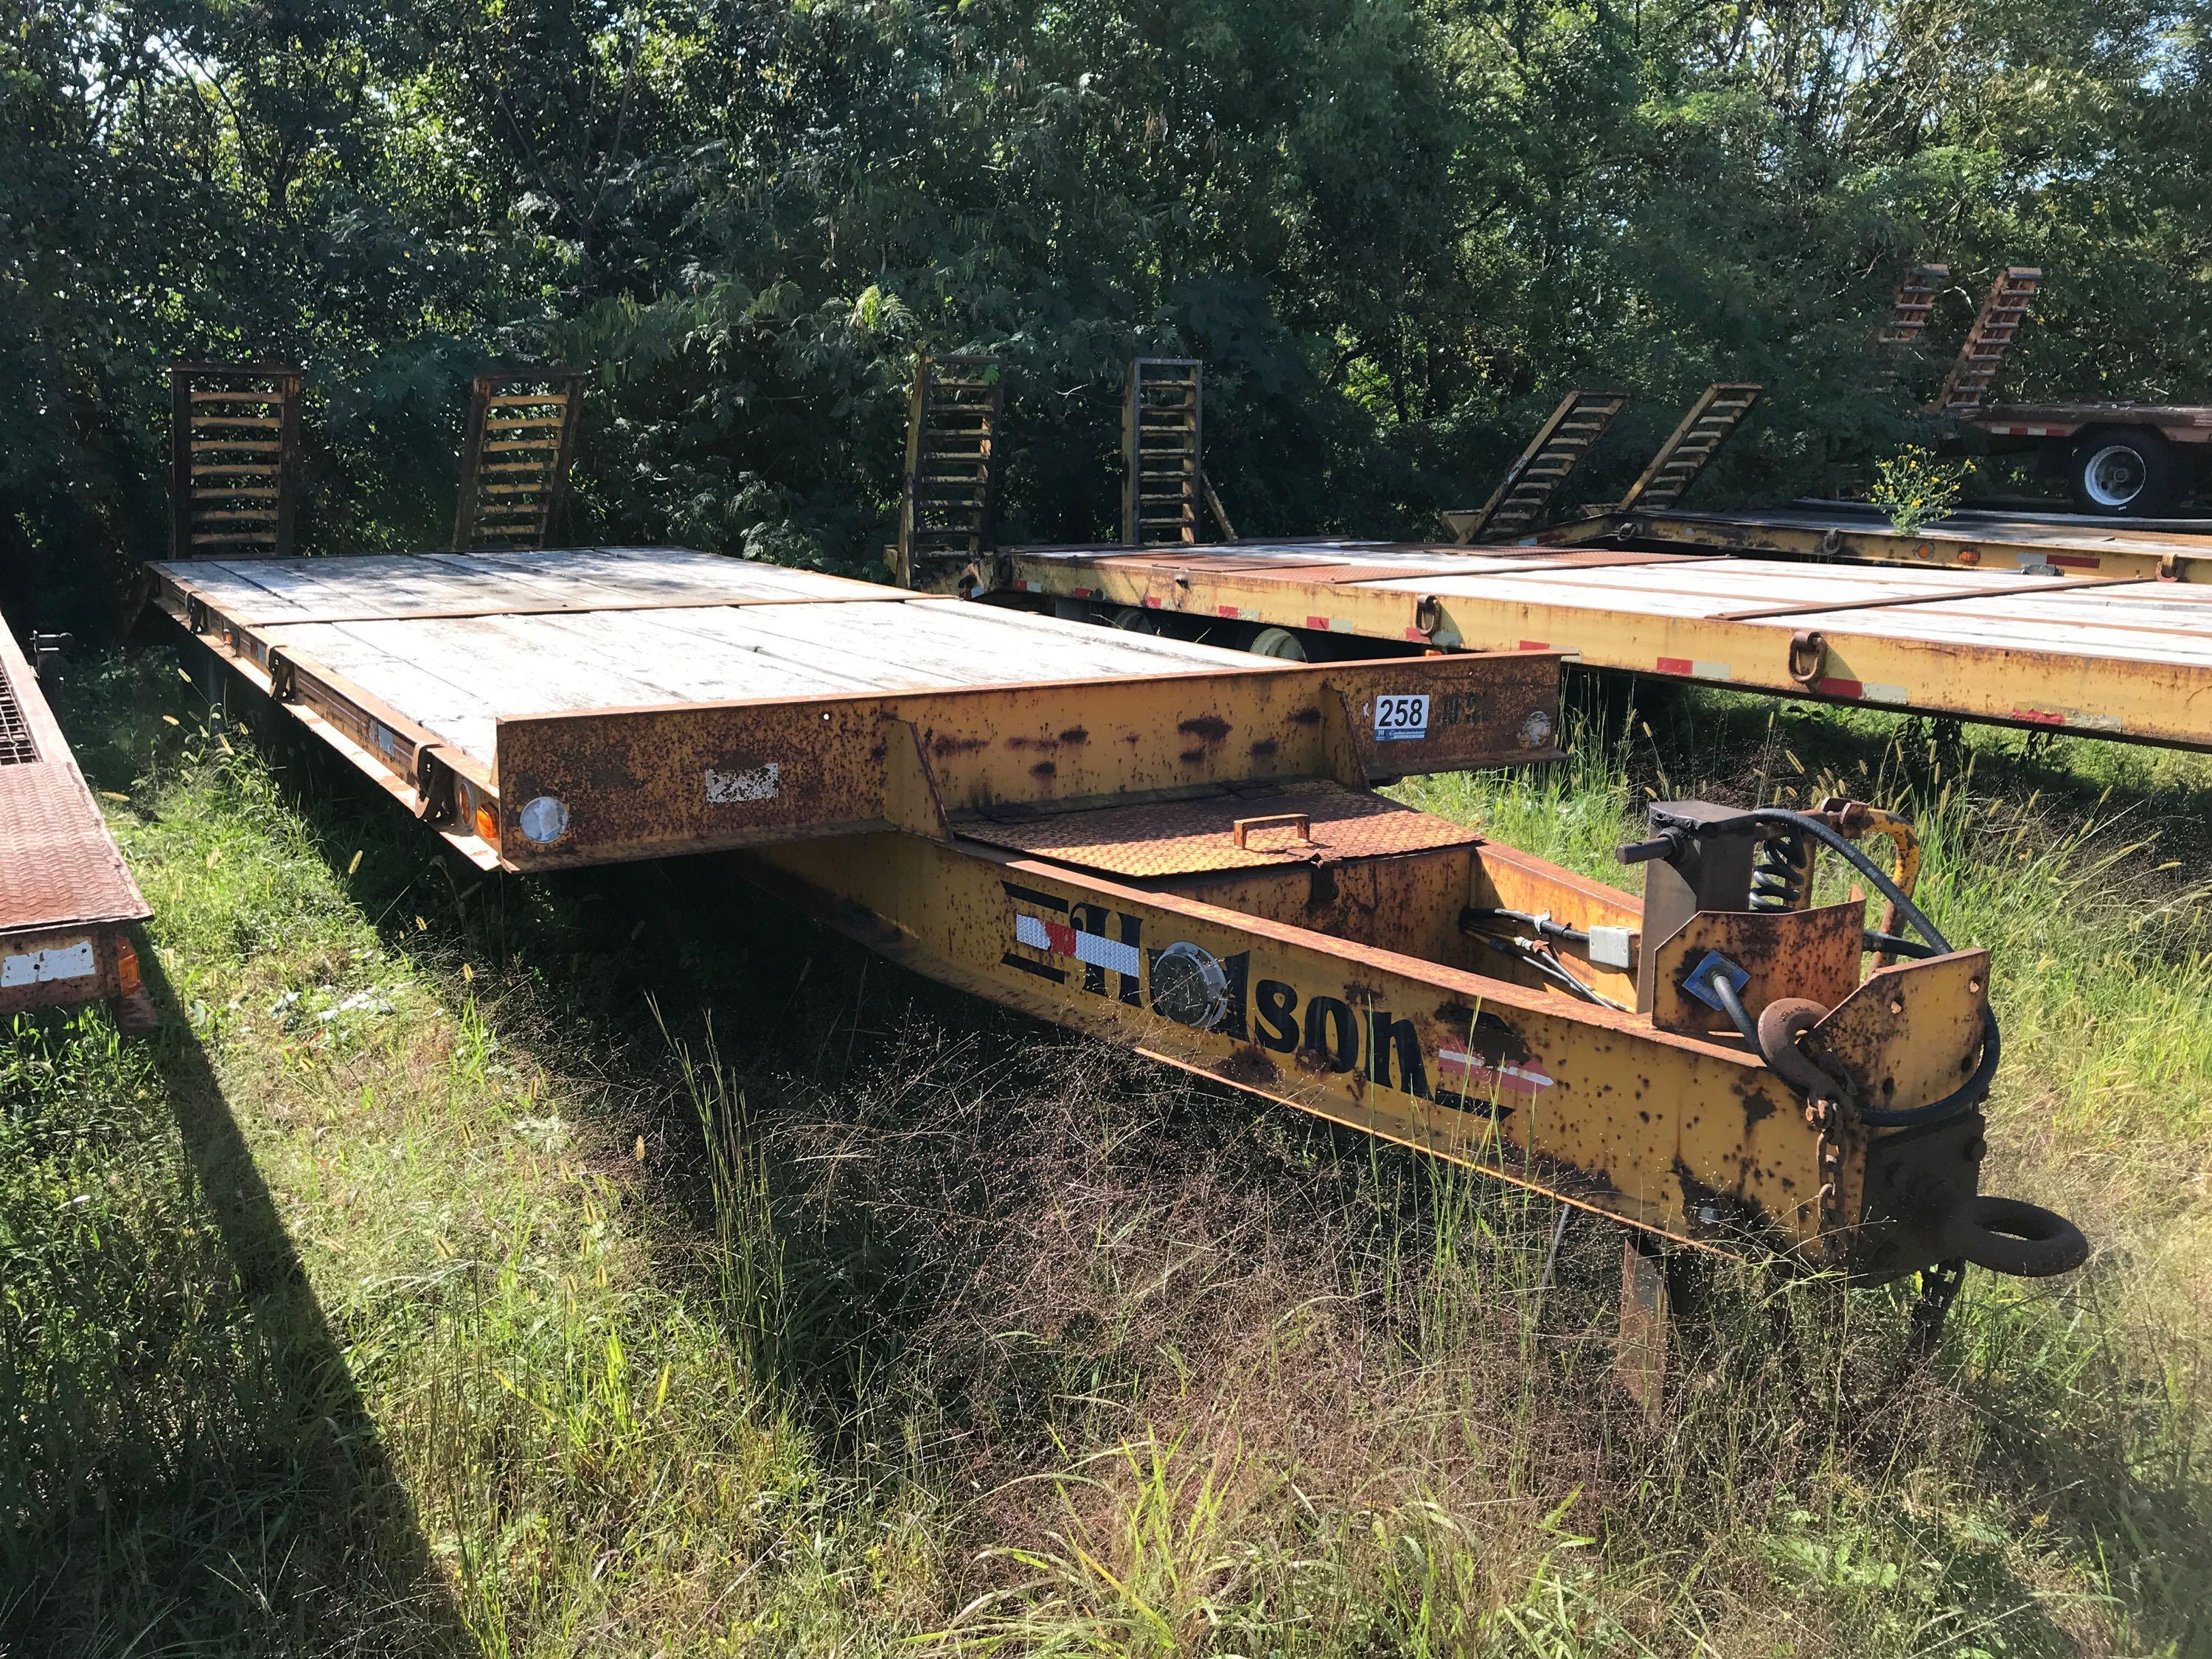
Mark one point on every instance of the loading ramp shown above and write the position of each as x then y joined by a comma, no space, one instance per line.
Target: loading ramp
1177,847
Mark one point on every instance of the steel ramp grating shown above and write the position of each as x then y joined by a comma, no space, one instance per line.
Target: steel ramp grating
234,443
952,421
1995,326
1711,420
17,747
1560,445
1162,447
1912,306
515,461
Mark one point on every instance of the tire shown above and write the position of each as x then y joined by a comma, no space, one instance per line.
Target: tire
2125,471
1278,643
1130,620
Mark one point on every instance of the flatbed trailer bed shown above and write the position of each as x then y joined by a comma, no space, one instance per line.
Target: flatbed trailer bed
2063,544
67,901
2126,657
1173,847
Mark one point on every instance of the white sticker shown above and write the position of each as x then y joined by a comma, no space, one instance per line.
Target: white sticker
38,967
754,783
1401,716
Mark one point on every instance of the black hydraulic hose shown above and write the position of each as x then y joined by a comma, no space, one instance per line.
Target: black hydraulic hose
1554,972
1812,826
1723,990
1967,1096
1535,924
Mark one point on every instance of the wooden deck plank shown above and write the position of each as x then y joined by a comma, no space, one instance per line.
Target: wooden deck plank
457,676
488,581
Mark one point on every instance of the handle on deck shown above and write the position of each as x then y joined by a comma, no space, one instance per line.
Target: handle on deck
1299,822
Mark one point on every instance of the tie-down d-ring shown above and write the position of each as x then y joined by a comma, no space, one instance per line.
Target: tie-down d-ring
1809,655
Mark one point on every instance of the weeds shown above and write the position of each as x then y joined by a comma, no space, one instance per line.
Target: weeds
544,1276
1915,488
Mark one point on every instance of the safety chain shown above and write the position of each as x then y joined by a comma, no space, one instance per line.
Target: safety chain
1939,1289
1822,1117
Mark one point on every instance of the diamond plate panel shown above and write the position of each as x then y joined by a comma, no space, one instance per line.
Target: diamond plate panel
57,863
1185,837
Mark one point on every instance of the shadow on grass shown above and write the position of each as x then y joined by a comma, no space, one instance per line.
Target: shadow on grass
226,1492
189,1466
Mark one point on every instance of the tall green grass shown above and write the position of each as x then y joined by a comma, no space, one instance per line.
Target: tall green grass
521,1268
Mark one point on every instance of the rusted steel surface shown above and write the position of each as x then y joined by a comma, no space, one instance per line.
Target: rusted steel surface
516,703
1685,1135
636,783
1995,327
1788,953
2186,424
2061,545
1162,451
1690,448
1560,445
952,464
65,895
1310,824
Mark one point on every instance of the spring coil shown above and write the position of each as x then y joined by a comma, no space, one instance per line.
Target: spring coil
1778,872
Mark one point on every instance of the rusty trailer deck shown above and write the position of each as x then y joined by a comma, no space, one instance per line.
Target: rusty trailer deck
2058,544
67,901
578,706
2126,657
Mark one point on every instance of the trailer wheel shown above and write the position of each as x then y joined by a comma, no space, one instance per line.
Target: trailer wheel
2124,471
1278,643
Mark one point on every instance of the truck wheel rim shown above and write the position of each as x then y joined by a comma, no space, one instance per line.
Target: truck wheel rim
2114,476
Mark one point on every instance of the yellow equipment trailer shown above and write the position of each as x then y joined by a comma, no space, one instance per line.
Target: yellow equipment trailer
1178,849
2128,659
2045,544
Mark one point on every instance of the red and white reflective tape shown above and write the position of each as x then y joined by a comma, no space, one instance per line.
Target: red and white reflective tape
1061,940
1473,1072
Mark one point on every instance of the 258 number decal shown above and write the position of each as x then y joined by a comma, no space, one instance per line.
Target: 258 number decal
1401,716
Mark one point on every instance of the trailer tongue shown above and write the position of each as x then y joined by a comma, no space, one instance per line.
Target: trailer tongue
1179,849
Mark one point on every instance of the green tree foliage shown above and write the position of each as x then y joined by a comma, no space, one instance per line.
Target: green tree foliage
1395,230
